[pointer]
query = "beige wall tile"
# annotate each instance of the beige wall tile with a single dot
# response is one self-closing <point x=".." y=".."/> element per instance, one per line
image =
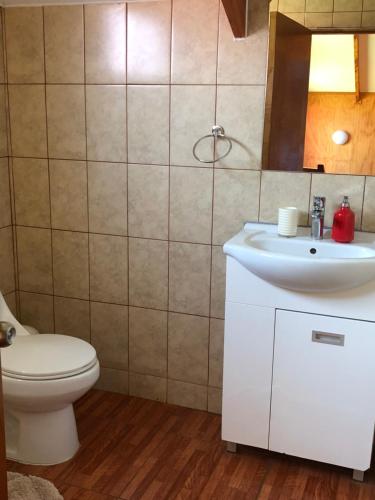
<point x="368" y="19"/>
<point x="191" y="204"/>
<point x="216" y="352"/>
<point x="28" y="120"/>
<point x="148" y="273"/>
<point x="113" y="380"/>
<point x="347" y="19"/>
<point x="368" y="222"/>
<point x="5" y="209"/>
<point x="11" y="301"/>
<point x="194" y="44"/>
<point x="244" y="61"/>
<point x="334" y="187"/>
<point x="70" y="264"/>
<point x="236" y="201"/>
<point x="237" y="106"/>
<point x="72" y="317"/>
<point x="105" y="43"/>
<point x="3" y="116"/>
<point x="37" y="311"/>
<point x="319" y="20"/>
<point x="189" y="278"/>
<point x="34" y="259"/>
<point x="299" y="17"/>
<point x="148" y="341"/>
<point x="107" y="198"/>
<point x="291" y="5"/>
<point x="109" y="334"/>
<point x="31" y="191"/>
<point x="319" y="5"/>
<point x="66" y="121"/>
<point x="69" y="195"/>
<point x="148" y="387"/>
<point x="148" y="203"/>
<point x="148" y="124"/>
<point x="368" y="5"/>
<point x="24" y="41"/>
<point x="188" y="348"/>
<point x="149" y="39"/>
<point x="214" y="400"/>
<point x="274" y="4"/>
<point x="63" y="28"/>
<point x="348" y="5"/>
<point x="192" y="117"/>
<point x="185" y="394"/>
<point x="108" y="268"/>
<point x="283" y="189"/>
<point x="218" y="282"/>
<point x="2" y="51"/>
<point x="7" y="278"/>
<point x="106" y="122"/>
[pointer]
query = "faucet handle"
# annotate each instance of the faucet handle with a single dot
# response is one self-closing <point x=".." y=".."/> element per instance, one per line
<point x="319" y="203"/>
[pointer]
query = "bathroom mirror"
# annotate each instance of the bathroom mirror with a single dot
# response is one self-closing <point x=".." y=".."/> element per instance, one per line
<point x="320" y="100"/>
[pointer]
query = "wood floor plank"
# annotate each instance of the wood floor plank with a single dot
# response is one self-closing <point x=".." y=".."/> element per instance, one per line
<point x="133" y="449"/>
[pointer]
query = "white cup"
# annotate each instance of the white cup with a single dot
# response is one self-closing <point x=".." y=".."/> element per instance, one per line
<point x="288" y="221"/>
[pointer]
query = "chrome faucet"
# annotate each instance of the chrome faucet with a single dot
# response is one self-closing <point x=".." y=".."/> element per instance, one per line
<point x="317" y="217"/>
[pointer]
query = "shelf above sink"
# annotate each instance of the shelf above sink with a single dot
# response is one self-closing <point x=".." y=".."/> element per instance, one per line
<point x="303" y="264"/>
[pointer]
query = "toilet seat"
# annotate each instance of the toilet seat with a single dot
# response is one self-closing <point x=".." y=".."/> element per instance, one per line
<point x="47" y="357"/>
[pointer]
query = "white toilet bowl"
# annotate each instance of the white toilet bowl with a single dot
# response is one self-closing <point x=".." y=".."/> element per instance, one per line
<point x="42" y="377"/>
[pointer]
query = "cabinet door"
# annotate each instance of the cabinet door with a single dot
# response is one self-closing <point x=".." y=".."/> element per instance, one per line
<point x="248" y="349"/>
<point x="323" y="391"/>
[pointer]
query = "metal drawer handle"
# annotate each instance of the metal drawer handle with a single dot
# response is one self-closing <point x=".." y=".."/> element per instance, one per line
<point x="328" y="338"/>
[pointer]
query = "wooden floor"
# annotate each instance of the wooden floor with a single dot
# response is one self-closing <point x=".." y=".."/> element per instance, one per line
<point x="138" y="449"/>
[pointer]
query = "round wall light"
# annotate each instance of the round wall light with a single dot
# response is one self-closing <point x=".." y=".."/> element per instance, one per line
<point x="340" y="137"/>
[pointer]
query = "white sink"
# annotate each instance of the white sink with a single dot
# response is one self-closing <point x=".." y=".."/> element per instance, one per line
<point x="303" y="264"/>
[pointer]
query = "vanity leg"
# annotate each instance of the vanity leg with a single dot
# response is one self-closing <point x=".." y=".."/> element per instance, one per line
<point x="231" y="447"/>
<point x="358" y="475"/>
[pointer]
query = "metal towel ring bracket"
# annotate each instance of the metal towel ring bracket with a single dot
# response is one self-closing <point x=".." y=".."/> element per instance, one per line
<point x="217" y="132"/>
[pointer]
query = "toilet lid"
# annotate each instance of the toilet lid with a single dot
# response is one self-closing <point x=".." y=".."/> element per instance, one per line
<point x="47" y="356"/>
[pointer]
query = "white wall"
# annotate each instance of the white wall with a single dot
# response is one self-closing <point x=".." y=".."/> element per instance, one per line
<point x="367" y="62"/>
<point x="332" y="63"/>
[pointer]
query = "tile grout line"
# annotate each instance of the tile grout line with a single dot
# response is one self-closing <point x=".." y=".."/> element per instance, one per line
<point x="58" y="229"/>
<point x="151" y="164"/>
<point x="135" y="306"/>
<point x="141" y="84"/>
<point x="363" y="202"/>
<point x="169" y="193"/>
<point x="48" y="166"/>
<point x="260" y="194"/>
<point x="83" y="7"/>
<point x="10" y="168"/>
<point x="126" y="138"/>
<point x="212" y="209"/>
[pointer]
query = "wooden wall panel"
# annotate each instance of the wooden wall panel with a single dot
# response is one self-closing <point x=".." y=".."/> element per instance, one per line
<point x="327" y="112"/>
<point x="286" y="94"/>
<point x="236" y="11"/>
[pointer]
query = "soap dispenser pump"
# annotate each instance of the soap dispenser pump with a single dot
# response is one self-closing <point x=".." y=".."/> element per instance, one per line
<point x="343" y="223"/>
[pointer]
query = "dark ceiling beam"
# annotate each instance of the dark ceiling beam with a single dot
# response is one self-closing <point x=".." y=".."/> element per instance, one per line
<point x="236" y="11"/>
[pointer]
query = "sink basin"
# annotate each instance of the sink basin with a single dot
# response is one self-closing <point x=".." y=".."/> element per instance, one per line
<point x="303" y="264"/>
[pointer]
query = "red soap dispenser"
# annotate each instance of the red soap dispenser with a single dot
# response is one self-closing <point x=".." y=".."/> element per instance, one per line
<point x="343" y="223"/>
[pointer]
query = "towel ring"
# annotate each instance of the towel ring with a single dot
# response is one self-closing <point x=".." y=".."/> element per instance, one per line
<point x="217" y="132"/>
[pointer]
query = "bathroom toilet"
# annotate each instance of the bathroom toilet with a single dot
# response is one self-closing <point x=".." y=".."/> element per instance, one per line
<point x="43" y="375"/>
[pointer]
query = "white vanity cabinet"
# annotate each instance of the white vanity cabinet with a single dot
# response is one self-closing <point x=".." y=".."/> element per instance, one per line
<point x="299" y="370"/>
<point x="248" y="374"/>
<point x="323" y="398"/>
